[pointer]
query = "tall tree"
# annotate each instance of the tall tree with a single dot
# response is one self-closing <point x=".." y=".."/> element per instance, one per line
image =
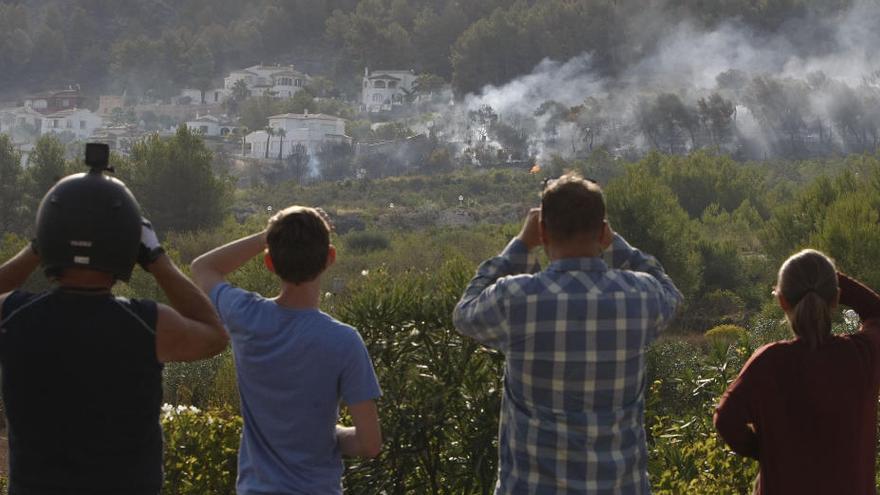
<point x="173" y="180"/>
<point x="11" y="204"/>
<point x="46" y="165"/>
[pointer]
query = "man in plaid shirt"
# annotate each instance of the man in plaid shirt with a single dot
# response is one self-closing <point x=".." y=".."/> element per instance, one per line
<point x="574" y="337"/>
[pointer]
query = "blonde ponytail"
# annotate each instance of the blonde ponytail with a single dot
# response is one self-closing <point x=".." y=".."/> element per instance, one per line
<point x="808" y="282"/>
<point x="811" y="319"/>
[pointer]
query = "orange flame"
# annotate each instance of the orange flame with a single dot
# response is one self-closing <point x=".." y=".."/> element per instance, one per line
<point x="535" y="169"/>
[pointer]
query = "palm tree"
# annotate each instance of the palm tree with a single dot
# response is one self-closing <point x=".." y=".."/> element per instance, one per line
<point x="269" y="133"/>
<point x="281" y="133"/>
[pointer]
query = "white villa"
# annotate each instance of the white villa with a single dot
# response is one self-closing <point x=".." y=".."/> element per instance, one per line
<point x="272" y="80"/>
<point x="78" y="121"/>
<point x="291" y="129"/>
<point x="386" y="89"/>
<point x="20" y="120"/>
<point x="211" y="126"/>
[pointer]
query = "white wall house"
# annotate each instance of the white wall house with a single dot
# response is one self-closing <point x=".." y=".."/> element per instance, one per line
<point x="272" y="80"/>
<point x="78" y="121"/>
<point x="292" y="129"/>
<point x="211" y="126"/>
<point x="385" y="89"/>
<point x="20" y="120"/>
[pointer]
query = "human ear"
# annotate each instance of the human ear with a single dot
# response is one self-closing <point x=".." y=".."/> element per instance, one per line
<point x="267" y="260"/>
<point x="331" y="256"/>
<point x="783" y="303"/>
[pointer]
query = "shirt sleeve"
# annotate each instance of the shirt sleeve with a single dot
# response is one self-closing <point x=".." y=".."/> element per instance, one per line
<point x="358" y="381"/>
<point x="864" y="301"/>
<point x="622" y="256"/>
<point x="235" y="306"/>
<point x="735" y="417"/>
<point x="481" y="313"/>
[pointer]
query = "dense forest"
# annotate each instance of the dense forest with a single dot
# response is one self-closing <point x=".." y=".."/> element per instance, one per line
<point x="153" y="45"/>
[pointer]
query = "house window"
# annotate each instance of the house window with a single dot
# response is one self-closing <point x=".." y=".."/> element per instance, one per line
<point x="65" y="102"/>
<point x="377" y="97"/>
<point x="298" y="83"/>
<point x="392" y="84"/>
<point x="285" y="81"/>
<point x="379" y="84"/>
<point x="68" y="124"/>
<point x="82" y="124"/>
<point x="216" y="96"/>
<point x="203" y="129"/>
<point x="54" y="123"/>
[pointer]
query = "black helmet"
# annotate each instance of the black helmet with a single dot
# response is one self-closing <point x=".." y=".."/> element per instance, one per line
<point x="89" y="220"/>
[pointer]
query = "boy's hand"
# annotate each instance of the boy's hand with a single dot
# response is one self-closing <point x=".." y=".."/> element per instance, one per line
<point x="150" y="249"/>
<point x="531" y="232"/>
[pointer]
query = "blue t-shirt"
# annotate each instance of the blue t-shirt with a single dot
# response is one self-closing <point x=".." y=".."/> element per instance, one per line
<point x="293" y="367"/>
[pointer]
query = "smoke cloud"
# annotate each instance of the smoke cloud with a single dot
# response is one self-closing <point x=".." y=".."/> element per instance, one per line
<point x="810" y="88"/>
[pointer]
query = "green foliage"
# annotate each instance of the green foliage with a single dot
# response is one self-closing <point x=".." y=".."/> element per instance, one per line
<point x="726" y="333"/>
<point x="173" y="180"/>
<point x="201" y="450"/>
<point x="208" y="383"/>
<point x="46" y="165"/>
<point x="365" y="242"/>
<point x="441" y="392"/>
<point x="685" y="453"/>
<point x="11" y="204"/>
<point x="850" y="233"/>
<point x="647" y="213"/>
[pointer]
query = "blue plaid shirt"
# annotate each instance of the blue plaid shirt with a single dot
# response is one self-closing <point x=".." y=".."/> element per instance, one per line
<point x="575" y="336"/>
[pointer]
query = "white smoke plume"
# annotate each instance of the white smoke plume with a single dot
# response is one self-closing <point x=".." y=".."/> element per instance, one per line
<point x="819" y="56"/>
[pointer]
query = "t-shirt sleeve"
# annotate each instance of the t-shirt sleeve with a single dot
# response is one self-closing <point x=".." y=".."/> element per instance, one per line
<point x="358" y="381"/>
<point x="235" y="306"/>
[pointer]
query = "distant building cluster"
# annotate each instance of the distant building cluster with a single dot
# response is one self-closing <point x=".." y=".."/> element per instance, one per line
<point x="120" y="120"/>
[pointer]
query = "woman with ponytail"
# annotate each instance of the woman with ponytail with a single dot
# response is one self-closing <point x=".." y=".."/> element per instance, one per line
<point x="806" y="408"/>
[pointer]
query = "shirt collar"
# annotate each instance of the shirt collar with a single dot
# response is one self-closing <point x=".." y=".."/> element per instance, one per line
<point x="592" y="264"/>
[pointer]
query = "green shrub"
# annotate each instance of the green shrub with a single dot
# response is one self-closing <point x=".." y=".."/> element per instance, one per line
<point x="209" y="383"/>
<point x="689" y="457"/>
<point x="727" y="334"/>
<point x="441" y="392"/>
<point x="366" y="242"/>
<point x="201" y="450"/>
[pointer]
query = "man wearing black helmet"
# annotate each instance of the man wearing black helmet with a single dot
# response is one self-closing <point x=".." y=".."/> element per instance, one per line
<point x="81" y="368"/>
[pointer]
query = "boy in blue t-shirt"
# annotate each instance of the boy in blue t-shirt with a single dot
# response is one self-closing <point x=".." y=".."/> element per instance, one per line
<point x="294" y="362"/>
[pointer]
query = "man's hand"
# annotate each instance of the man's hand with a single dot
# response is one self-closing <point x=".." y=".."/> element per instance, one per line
<point x="531" y="231"/>
<point x="150" y="249"/>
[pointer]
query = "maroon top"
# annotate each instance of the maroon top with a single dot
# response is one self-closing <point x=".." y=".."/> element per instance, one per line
<point x="810" y="416"/>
